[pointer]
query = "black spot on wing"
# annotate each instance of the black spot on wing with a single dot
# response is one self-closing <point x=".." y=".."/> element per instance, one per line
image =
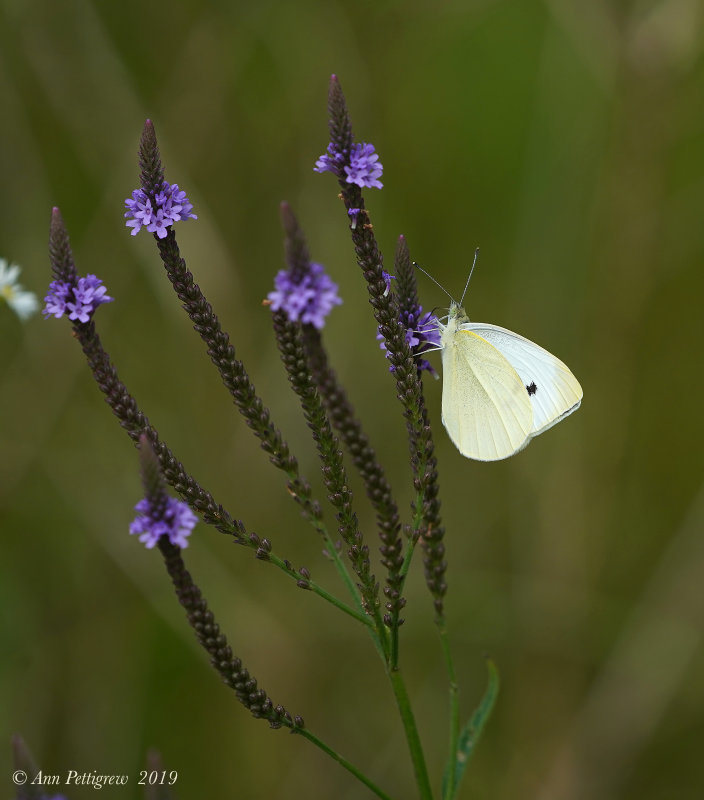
<point x="532" y="388"/>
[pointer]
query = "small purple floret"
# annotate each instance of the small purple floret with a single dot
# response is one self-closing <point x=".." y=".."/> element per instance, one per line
<point x="177" y="522"/>
<point x="79" y="301"/>
<point x="330" y="162"/>
<point x="56" y="299"/>
<point x="170" y="205"/>
<point x="387" y="280"/>
<point x="308" y="299"/>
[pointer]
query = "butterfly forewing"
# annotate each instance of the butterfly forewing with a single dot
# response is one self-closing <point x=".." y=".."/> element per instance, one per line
<point x="553" y="390"/>
<point x="485" y="406"/>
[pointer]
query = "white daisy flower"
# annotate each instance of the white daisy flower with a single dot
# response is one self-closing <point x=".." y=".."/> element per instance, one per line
<point x="23" y="303"/>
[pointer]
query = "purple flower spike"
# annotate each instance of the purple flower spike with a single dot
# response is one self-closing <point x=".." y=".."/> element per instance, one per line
<point x="79" y="301"/>
<point x="170" y="205"/>
<point x="176" y="521"/>
<point x="364" y="168"/>
<point x="309" y="300"/>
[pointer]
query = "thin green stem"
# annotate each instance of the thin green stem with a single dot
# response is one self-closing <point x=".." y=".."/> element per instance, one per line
<point x="374" y="624"/>
<point x="357" y="614"/>
<point x="407" y="558"/>
<point x="341" y="568"/>
<point x="454" y="710"/>
<point x="403" y="573"/>
<point x="382" y="636"/>
<point x="412" y="737"/>
<point x="342" y="761"/>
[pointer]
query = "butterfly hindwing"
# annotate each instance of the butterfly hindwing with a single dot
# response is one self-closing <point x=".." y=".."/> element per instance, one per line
<point x="553" y="390"/>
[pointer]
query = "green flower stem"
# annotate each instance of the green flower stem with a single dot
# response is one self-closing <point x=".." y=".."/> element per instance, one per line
<point x="454" y="710"/>
<point x="342" y="761"/>
<point x="412" y="737"/>
<point x="409" y="555"/>
<point x="339" y="564"/>
<point x="357" y="614"/>
<point x="402" y="575"/>
<point x="343" y="572"/>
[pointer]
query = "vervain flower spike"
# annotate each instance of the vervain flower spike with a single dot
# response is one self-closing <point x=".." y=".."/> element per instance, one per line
<point x="162" y="527"/>
<point x="405" y="369"/>
<point x="348" y="427"/>
<point x="299" y="277"/>
<point x="423" y="459"/>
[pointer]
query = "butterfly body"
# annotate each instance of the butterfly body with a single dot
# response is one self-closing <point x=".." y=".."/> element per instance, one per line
<point x="499" y="389"/>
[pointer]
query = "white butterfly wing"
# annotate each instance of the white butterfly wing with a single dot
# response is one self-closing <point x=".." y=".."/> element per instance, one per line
<point x="553" y="390"/>
<point x="485" y="406"/>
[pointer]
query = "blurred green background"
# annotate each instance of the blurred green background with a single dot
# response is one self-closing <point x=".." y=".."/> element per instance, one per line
<point x="567" y="141"/>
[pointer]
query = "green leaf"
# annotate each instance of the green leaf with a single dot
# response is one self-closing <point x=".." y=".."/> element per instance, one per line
<point x="471" y="732"/>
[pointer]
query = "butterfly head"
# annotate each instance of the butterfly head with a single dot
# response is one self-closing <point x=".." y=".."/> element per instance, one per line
<point x="457" y="314"/>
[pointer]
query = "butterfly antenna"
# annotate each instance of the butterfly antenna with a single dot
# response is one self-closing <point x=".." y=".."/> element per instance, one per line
<point x="437" y="283"/>
<point x="466" y="286"/>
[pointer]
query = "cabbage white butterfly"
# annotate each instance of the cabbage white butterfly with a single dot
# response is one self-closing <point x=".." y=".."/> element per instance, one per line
<point x="499" y="389"/>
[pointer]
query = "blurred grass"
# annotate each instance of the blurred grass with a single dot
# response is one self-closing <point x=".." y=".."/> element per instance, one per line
<point x="567" y="141"/>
